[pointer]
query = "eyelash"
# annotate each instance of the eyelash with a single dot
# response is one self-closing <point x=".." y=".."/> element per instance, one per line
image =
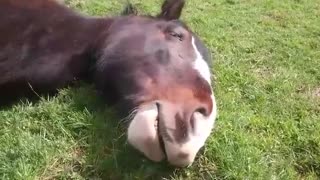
<point x="177" y="35"/>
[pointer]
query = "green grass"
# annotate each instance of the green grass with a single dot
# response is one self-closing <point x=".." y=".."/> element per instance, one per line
<point x="267" y="71"/>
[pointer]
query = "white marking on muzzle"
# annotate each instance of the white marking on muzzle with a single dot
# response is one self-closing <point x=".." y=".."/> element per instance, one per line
<point x="197" y="139"/>
<point x="200" y="64"/>
<point x="203" y="124"/>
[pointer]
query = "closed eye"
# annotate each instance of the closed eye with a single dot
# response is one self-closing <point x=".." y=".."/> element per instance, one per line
<point x="177" y="35"/>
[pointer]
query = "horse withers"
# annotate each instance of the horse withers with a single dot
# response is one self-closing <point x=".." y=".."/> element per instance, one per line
<point x="154" y="66"/>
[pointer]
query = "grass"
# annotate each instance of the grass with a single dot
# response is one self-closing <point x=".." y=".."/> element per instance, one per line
<point x="267" y="71"/>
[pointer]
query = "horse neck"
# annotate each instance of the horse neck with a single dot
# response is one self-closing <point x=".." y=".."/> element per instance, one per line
<point x="97" y="32"/>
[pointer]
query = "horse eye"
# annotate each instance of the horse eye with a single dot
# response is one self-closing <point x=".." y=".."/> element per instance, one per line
<point x="177" y="35"/>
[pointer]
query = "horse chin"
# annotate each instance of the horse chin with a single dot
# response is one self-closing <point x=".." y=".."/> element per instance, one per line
<point x="143" y="132"/>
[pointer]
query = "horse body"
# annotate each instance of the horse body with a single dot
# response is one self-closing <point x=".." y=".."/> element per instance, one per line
<point x="155" y="65"/>
<point x="43" y="45"/>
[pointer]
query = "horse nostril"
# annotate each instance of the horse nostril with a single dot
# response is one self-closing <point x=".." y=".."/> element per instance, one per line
<point x="158" y="105"/>
<point x="202" y="111"/>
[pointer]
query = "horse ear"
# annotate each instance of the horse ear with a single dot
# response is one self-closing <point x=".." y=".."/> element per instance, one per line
<point x="171" y="9"/>
<point x="129" y="10"/>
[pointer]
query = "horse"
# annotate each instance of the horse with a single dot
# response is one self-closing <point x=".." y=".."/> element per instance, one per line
<point x="154" y="66"/>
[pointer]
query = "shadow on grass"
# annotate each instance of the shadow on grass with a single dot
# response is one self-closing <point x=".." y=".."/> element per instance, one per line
<point x="88" y="141"/>
<point x="105" y="152"/>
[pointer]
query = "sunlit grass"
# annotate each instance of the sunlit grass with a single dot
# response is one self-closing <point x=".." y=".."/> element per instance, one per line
<point x="267" y="70"/>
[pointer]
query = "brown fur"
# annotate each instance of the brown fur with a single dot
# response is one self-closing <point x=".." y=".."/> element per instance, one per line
<point x="45" y="46"/>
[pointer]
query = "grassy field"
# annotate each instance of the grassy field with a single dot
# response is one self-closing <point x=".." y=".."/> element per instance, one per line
<point x="267" y="71"/>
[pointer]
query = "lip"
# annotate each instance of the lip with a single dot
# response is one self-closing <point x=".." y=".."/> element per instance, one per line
<point x="160" y="138"/>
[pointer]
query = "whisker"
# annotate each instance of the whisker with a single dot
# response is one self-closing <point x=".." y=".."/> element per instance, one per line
<point x="130" y="116"/>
